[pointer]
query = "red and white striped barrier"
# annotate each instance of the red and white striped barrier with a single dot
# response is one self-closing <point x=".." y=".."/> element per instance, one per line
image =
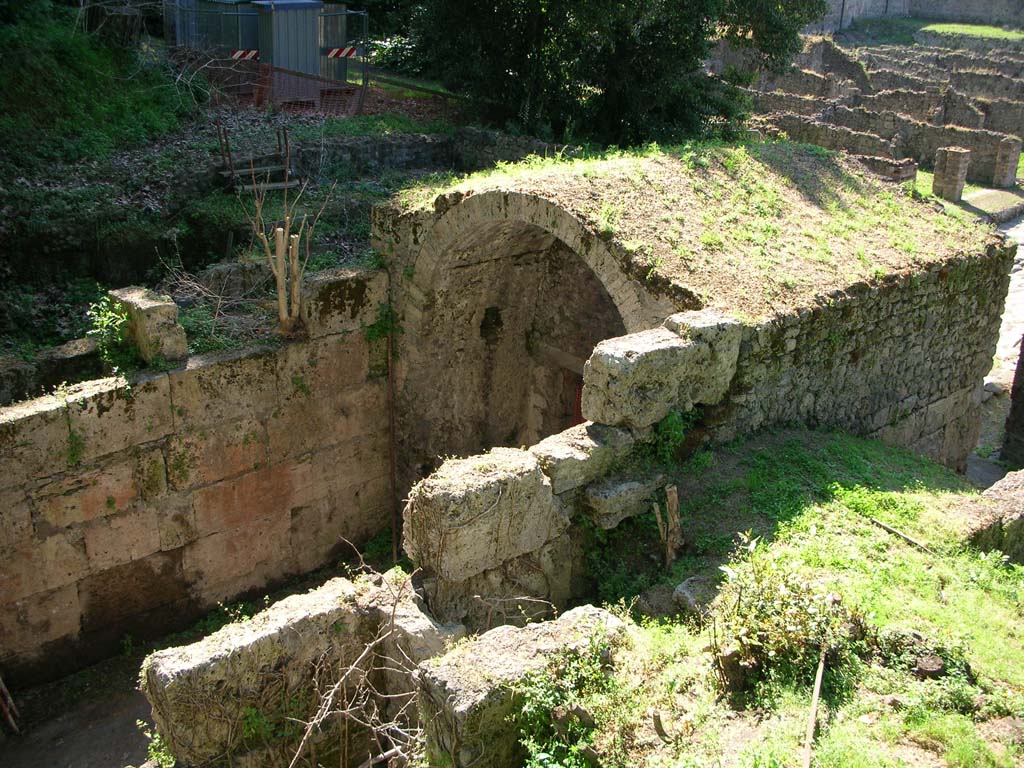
<point x="245" y="55"/>
<point x="347" y="52"/>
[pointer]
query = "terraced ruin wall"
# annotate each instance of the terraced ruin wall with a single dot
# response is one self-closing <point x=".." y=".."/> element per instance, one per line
<point x="811" y="131"/>
<point x="131" y="510"/>
<point x="1004" y="116"/>
<point x="993" y="155"/>
<point x="842" y="13"/>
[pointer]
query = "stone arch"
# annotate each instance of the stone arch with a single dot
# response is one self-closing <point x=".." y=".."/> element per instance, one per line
<point x="505" y="296"/>
<point x="477" y="216"/>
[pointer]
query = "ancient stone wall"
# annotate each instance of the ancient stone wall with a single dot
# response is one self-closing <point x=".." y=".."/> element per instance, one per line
<point x="1004" y="116"/>
<point x="989" y="155"/>
<point x="823" y="55"/>
<point x="502" y="297"/>
<point x="988" y="85"/>
<point x="842" y="13"/>
<point x="830" y="136"/>
<point x="947" y="108"/>
<point x="983" y="11"/>
<point x="766" y="102"/>
<point x="129" y="510"/>
<point x="902" y="361"/>
<point x="891" y="80"/>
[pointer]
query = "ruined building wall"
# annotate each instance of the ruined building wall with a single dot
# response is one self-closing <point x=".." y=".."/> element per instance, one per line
<point x="842" y="13"/>
<point x="830" y="136"/>
<point x="989" y="151"/>
<point x="130" y="510"/>
<point x="902" y="362"/>
<point x="1004" y="116"/>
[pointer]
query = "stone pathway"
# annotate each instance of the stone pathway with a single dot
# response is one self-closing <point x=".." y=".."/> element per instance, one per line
<point x="1000" y="204"/>
<point x="982" y="468"/>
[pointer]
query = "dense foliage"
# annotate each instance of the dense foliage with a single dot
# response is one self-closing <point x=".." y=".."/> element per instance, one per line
<point x="67" y="95"/>
<point x="616" y="72"/>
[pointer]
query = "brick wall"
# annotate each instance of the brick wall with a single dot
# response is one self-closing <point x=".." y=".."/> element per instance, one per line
<point x="130" y="510"/>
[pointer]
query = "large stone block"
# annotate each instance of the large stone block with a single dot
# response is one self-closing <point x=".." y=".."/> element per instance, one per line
<point x="223" y="387"/>
<point x="153" y="324"/>
<point x="38" y="565"/>
<point x="267" y="491"/>
<point x="613" y="500"/>
<point x="128" y="597"/>
<point x="527" y="588"/>
<point x="272" y="664"/>
<point x="999" y="517"/>
<point x="467" y="695"/>
<point x="15" y="519"/>
<point x="636" y="380"/>
<point x="27" y="624"/>
<point x="35" y="441"/>
<point x="342" y="300"/>
<point x="226" y="563"/>
<point x="329" y="418"/>
<point x="581" y="454"/>
<point x="474" y="514"/>
<point x="109" y="415"/>
<point x="204" y="456"/>
<point x="104" y="490"/>
<point x="121" y="538"/>
<point x="200" y="693"/>
<point x="722" y="334"/>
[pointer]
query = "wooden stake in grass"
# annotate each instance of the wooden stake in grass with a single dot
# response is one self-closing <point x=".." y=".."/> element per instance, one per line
<point x="813" y="719"/>
<point x="668" y="528"/>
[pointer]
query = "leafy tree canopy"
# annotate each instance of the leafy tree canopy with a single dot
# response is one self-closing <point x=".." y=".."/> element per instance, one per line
<point x="617" y="72"/>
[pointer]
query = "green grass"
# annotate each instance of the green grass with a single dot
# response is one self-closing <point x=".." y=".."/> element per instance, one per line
<point x="976" y="30"/>
<point x="925" y="179"/>
<point x="68" y="95"/>
<point x="369" y="125"/>
<point x="808" y="498"/>
<point x="900" y="31"/>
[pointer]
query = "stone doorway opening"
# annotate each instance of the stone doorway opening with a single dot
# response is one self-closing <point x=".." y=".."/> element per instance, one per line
<point x="497" y="356"/>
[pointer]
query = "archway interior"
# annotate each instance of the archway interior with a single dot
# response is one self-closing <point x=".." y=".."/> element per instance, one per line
<point x="498" y="358"/>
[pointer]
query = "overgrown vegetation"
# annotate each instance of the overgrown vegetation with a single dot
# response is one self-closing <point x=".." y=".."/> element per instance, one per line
<point x="814" y="575"/>
<point x="754" y="227"/>
<point x="69" y="95"/>
<point x="109" y="327"/>
<point x="613" y="72"/>
<point x="33" y="316"/>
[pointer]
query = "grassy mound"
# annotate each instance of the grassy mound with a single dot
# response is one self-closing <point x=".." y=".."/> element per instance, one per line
<point x="754" y="228"/>
<point x="813" y="574"/>
<point x="68" y="95"/>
